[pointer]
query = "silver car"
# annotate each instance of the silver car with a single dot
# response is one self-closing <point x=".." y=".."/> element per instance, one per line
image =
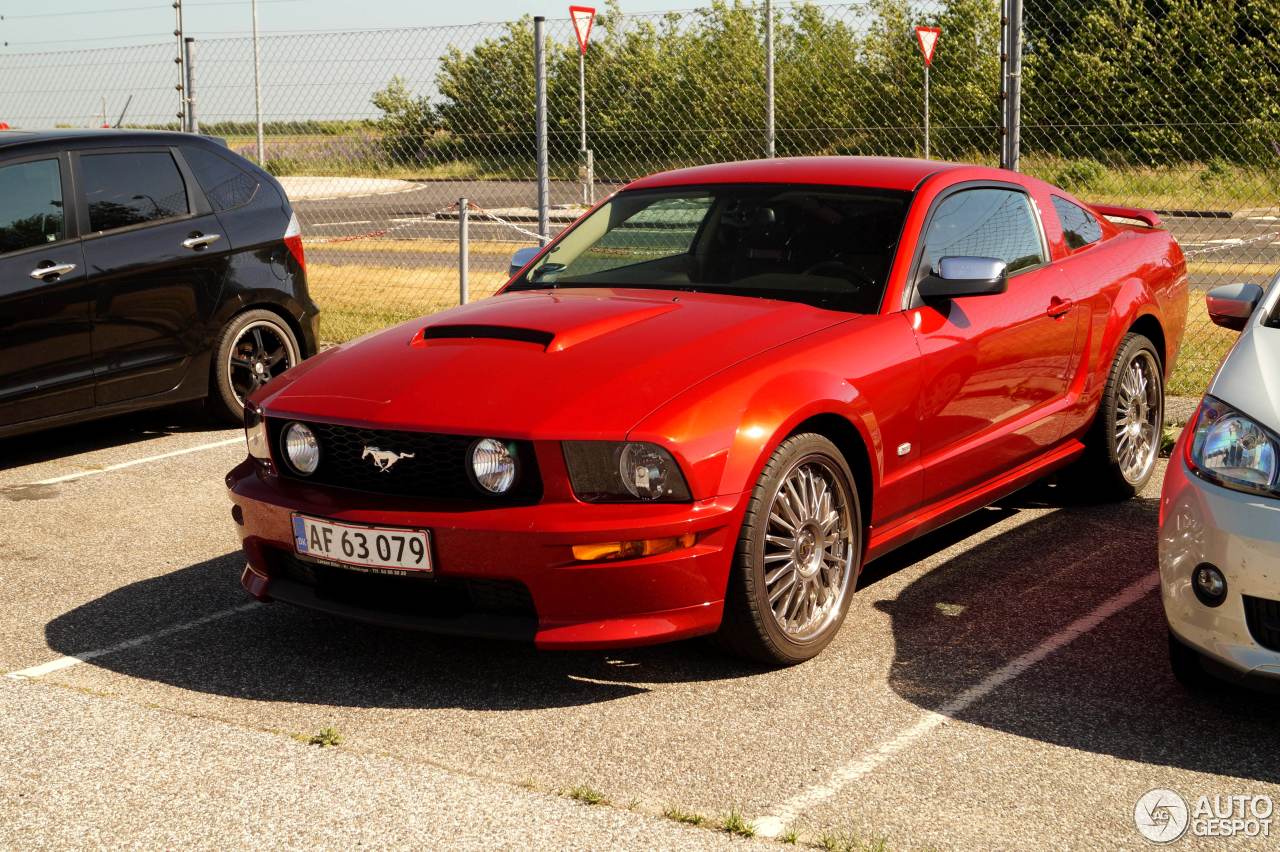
<point x="1220" y="507"/>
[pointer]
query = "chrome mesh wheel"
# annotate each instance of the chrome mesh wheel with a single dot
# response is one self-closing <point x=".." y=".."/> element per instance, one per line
<point x="1139" y="413"/>
<point x="809" y="549"/>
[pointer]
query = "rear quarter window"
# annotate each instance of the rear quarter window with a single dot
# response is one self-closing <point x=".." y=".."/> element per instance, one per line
<point x="225" y="184"/>
<point x="1079" y="227"/>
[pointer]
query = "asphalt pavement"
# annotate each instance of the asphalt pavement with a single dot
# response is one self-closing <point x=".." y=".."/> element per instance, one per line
<point x="1000" y="684"/>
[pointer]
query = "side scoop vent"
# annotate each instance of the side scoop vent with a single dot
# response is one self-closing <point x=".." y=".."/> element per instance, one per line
<point x="488" y="332"/>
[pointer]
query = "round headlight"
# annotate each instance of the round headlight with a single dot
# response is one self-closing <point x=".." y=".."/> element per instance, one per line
<point x="301" y="448"/>
<point x="493" y="465"/>
<point x="645" y="470"/>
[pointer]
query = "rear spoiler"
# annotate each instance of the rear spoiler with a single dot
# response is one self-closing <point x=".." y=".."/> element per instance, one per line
<point x="1137" y="214"/>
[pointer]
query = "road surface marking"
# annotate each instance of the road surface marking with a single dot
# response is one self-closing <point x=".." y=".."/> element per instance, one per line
<point x="774" y="824"/>
<point x="85" y="656"/>
<point x="336" y="224"/>
<point x="134" y="463"/>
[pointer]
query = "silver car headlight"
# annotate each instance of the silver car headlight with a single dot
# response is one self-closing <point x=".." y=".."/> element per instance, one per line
<point x="631" y="471"/>
<point x="301" y="449"/>
<point x="1230" y="449"/>
<point x="494" y="466"/>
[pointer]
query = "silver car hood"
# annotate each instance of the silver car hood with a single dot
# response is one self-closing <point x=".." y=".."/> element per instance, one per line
<point x="1249" y="379"/>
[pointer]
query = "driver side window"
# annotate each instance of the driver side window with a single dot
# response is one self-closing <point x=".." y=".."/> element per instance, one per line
<point x="985" y="222"/>
<point x="30" y="205"/>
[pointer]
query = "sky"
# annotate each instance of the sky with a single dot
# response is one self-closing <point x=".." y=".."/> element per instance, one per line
<point x="27" y="27"/>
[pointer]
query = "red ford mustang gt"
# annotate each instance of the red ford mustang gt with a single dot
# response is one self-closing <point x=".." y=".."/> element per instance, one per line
<point x="709" y="403"/>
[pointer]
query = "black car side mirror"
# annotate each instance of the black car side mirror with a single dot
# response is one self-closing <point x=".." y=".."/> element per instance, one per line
<point x="1231" y="305"/>
<point x="965" y="276"/>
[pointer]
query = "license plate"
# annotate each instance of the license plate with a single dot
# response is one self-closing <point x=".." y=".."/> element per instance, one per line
<point x="379" y="550"/>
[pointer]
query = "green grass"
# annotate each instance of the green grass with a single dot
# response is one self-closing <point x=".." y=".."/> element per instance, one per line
<point x="848" y="840"/>
<point x="324" y="738"/>
<point x="684" y="816"/>
<point x="735" y="823"/>
<point x="586" y="795"/>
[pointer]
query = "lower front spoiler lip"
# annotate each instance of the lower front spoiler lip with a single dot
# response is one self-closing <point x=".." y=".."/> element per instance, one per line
<point x="479" y="625"/>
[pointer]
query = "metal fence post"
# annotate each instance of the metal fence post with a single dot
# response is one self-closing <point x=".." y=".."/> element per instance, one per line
<point x="463" y="252"/>
<point x="257" y="83"/>
<point x="540" y="118"/>
<point x="1012" y="85"/>
<point x="189" y="57"/>
<point x="182" y="66"/>
<point x="768" y="79"/>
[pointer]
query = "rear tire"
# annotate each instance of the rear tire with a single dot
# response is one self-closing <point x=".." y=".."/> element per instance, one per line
<point x="797" y="556"/>
<point x="1124" y="441"/>
<point x="255" y="347"/>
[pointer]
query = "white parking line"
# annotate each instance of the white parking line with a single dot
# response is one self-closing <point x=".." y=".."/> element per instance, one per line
<point x="773" y="825"/>
<point x="213" y="445"/>
<point x="85" y="656"/>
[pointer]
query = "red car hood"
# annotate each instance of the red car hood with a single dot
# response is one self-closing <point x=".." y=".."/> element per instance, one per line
<point x="566" y="364"/>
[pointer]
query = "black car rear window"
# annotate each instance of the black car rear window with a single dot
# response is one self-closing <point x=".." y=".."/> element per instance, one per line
<point x="225" y="184"/>
<point x="132" y="188"/>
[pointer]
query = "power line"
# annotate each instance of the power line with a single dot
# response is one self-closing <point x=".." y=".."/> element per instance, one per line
<point x="132" y="9"/>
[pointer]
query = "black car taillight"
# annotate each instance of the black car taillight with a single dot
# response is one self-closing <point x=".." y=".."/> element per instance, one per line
<point x="293" y="240"/>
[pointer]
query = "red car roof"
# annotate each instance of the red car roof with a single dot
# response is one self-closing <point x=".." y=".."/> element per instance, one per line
<point x="881" y="172"/>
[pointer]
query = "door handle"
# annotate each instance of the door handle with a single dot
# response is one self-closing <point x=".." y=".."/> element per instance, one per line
<point x="53" y="270"/>
<point x="195" y="242"/>
<point x="1058" y="308"/>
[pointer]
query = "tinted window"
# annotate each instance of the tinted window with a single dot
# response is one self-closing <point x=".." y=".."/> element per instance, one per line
<point x="1079" y="228"/>
<point x="225" y="184"/>
<point x="822" y="245"/>
<point x="995" y="223"/>
<point x="130" y="189"/>
<point x="30" y="205"/>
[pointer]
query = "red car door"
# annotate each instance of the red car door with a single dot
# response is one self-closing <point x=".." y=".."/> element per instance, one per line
<point x="996" y="368"/>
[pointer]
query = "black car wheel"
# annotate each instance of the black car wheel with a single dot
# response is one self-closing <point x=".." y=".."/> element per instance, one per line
<point x="255" y="347"/>
<point x="797" y="556"/>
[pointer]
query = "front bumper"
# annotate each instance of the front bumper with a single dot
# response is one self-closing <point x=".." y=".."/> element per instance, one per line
<point x="1240" y="535"/>
<point x="573" y="604"/>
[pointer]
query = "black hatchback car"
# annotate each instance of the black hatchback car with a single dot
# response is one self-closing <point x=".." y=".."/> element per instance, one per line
<point x="140" y="269"/>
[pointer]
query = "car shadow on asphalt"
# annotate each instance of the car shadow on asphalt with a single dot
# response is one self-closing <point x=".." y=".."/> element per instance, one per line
<point x="107" y="433"/>
<point x="277" y="652"/>
<point x="1110" y="691"/>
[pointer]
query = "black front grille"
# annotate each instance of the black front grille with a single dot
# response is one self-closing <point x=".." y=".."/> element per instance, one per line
<point x="429" y="597"/>
<point x="1263" y="617"/>
<point x="433" y="466"/>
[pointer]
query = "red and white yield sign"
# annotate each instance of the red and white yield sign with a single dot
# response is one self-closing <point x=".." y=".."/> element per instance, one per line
<point x="582" y="16"/>
<point x="928" y="37"/>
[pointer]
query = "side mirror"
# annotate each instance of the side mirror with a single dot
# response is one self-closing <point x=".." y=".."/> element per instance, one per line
<point x="965" y="276"/>
<point x="1231" y="305"/>
<point x="521" y="259"/>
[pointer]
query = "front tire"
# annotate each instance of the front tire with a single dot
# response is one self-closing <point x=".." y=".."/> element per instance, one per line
<point x="254" y="348"/>
<point x="797" y="556"/>
<point x="1125" y="439"/>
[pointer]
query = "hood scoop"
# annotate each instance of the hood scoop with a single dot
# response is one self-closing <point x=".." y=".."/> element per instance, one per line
<point x="485" y="332"/>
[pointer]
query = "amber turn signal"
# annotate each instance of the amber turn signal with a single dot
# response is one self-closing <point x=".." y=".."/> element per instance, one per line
<point x="631" y="549"/>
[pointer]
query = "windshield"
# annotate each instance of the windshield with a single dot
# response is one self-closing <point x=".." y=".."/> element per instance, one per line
<point x="822" y="245"/>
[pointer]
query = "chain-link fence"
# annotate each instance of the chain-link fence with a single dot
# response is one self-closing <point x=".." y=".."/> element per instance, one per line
<point x="377" y="134"/>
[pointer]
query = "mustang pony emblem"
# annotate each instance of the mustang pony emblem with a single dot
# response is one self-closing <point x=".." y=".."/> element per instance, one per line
<point x="384" y="459"/>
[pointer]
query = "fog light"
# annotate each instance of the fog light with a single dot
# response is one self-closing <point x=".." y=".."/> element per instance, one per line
<point x="1209" y="584"/>
<point x="301" y="448"/>
<point x="631" y="549"/>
